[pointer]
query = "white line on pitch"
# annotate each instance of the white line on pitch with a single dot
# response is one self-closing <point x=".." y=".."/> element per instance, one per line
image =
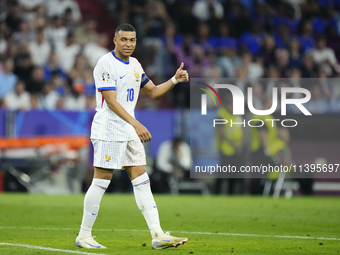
<point x="256" y="235"/>
<point x="49" y="249"/>
<point x="183" y="232"/>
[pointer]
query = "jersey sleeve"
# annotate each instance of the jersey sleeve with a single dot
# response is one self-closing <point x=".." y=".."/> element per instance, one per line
<point x="145" y="79"/>
<point x="104" y="76"/>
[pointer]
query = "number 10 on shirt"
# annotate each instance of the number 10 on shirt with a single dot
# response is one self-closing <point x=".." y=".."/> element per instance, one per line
<point x="130" y="95"/>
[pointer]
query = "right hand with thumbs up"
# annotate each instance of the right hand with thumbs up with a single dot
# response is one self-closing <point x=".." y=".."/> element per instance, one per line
<point x="181" y="75"/>
<point x="156" y="92"/>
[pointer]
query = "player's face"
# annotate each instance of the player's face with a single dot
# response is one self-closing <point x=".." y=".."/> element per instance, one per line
<point x="125" y="42"/>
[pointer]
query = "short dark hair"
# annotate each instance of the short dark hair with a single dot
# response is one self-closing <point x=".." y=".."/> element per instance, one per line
<point x="125" y="27"/>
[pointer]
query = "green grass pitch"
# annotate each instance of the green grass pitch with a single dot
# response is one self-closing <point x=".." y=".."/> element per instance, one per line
<point x="213" y="224"/>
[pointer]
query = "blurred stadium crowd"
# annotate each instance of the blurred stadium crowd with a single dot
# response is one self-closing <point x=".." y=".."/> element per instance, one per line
<point x="48" y="49"/>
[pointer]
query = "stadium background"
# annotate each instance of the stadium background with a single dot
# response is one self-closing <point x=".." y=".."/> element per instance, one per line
<point x="44" y="140"/>
<point x="52" y="46"/>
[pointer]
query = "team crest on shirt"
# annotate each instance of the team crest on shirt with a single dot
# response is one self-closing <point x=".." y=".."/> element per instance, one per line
<point x="137" y="76"/>
<point x="108" y="158"/>
<point x="106" y="76"/>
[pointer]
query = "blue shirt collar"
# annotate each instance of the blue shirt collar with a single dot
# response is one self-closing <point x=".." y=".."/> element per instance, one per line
<point x="124" y="62"/>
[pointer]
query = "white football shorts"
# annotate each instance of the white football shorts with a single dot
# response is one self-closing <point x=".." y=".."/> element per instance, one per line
<point x="116" y="155"/>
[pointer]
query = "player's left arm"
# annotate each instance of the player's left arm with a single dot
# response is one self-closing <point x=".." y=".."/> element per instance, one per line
<point x="156" y="92"/>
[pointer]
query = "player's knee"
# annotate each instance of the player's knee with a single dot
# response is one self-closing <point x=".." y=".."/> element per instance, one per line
<point x="102" y="173"/>
<point x="135" y="171"/>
